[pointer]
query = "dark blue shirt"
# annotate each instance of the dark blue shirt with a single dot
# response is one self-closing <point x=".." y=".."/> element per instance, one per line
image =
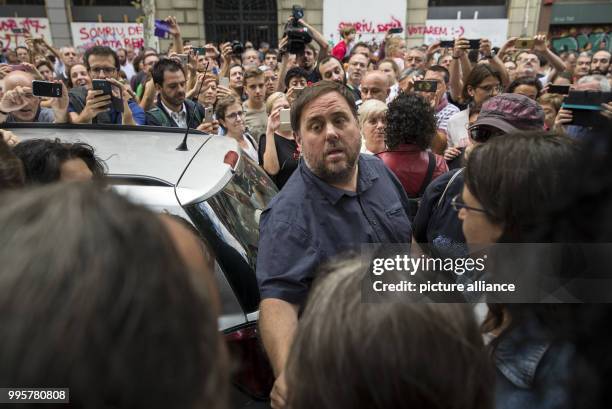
<point x="310" y="221"/>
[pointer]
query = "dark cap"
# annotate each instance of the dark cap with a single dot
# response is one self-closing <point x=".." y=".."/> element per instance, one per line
<point x="511" y="113"/>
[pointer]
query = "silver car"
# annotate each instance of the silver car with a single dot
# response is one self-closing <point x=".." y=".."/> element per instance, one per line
<point x="212" y="186"/>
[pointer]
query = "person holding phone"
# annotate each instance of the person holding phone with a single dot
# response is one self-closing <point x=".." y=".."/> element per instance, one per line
<point x="94" y="106"/>
<point x="18" y="104"/>
<point x="231" y="116"/>
<point x="278" y="151"/>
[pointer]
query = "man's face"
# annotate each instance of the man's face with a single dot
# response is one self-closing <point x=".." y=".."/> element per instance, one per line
<point x="527" y="65"/>
<point x="236" y="77"/>
<point x="28" y="112"/>
<point x="255" y="88"/>
<point x="375" y="86"/>
<point x="69" y="56"/>
<point x="415" y="59"/>
<point x="130" y="54"/>
<point x="333" y="71"/>
<point x="309" y="59"/>
<point x="102" y="67"/>
<point x="22" y="55"/>
<point x="358" y="65"/>
<point x="271" y="81"/>
<point x="387" y="69"/>
<point x="297" y="82"/>
<point x="440" y="90"/>
<point x="600" y="62"/>
<point x="251" y="58"/>
<point x="173" y="88"/>
<point x="365" y="51"/>
<point x="329" y="138"/>
<point x="271" y="61"/>
<point x="122" y="57"/>
<point x="148" y="62"/>
<point x="583" y="65"/>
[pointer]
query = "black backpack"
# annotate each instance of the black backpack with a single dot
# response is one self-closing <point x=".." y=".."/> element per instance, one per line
<point x="416" y="201"/>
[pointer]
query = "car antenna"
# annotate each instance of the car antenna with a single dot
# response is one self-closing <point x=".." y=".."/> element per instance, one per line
<point x="183" y="145"/>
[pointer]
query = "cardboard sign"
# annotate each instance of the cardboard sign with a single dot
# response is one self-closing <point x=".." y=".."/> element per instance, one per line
<point x="35" y="27"/>
<point x="114" y="35"/>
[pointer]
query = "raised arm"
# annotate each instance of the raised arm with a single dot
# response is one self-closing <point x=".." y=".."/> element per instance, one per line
<point x="318" y="38"/>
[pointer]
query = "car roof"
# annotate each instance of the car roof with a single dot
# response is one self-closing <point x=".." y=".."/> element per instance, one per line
<point x="127" y="150"/>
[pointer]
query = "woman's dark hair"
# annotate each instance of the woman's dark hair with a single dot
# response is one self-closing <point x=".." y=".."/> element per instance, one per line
<point x="478" y="74"/>
<point x="530" y="81"/>
<point x="513" y="175"/>
<point x="396" y="354"/>
<point x="42" y="159"/>
<point x="295" y="72"/>
<point x="223" y="104"/>
<point x="46" y="64"/>
<point x="410" y="120"/>
<point x="105" y="321"/>
<point x="11" y="168"/>
<point x="136" y="62"/>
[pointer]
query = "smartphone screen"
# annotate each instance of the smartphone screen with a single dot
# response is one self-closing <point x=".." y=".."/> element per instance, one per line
<point x="102" y="85"/>
<point x="199" y="50"/>
<point x="208" y="114"/>
<point x="46" y="89"/>
<point x="426" y="86"/>
<point x="224" y="82"/>
<point x="474" y="44"/>
<point x="285" y="120"/>
<point x="447" y="43"/>
<point x="559" y="89"/>
<point x="396" y="30"/>
<point x="524" y="43"/>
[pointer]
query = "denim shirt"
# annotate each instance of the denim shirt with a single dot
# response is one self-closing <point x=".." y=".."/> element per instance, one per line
<point x="532" y="372"/>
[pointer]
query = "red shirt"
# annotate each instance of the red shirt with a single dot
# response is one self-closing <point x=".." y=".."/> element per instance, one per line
<point x="409" y="163"/>
<point x="339" y="50"/>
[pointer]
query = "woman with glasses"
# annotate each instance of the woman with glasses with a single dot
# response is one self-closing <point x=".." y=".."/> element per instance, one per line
<point x="483" y="82"/>
<point x="436" y="225"/>
<point x="231" y="117"/>
<point x="510" y="186"/>
<point x="278" y="151"/>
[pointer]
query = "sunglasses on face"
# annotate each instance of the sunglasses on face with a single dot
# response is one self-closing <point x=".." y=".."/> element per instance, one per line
<point x="484" y="133"/>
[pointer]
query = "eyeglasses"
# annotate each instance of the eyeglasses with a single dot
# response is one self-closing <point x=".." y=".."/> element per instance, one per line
<point x="492" y="89"/>
<point x="457" y="204"/>
<point x="483" y="134"/>
<point x="103" y="70"/>
<point x="235" y="115"/>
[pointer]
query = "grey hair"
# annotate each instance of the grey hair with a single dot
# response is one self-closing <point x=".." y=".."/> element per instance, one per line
<point x="604" y="85"/>
<point x="370" y="108"/>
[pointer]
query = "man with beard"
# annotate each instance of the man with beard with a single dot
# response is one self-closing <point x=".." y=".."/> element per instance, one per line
<point x="600" y="62"/>
<point x="336" y="200"/>
<point x="330" y="69"/>
<point x="528" y="62"/>
<point x="171" y="108"/>
<point x="126" y="66"/>
<point x="358" y="65"/>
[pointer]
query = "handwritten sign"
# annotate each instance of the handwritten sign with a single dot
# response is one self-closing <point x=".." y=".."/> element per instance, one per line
<point x="114" y="35"/>
<point x="35" y="27"/>
<point x="371" y="19"/>
<point x="495" y="30"/>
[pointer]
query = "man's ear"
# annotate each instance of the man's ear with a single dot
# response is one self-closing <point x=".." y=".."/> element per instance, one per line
<point x="158" y="87"/>
<point x="298" y="139"/>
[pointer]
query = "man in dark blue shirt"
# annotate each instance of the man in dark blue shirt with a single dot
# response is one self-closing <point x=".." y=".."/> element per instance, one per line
<point x="335" y="201"/>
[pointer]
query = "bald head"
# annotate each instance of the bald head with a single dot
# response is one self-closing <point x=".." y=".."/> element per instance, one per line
<point x="375" y="85"/>
<point x="17" y="79"/>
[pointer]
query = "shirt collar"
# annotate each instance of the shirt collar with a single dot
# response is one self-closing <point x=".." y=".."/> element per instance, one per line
<point x="169" y="111"/>
<point x="365" y="179"/>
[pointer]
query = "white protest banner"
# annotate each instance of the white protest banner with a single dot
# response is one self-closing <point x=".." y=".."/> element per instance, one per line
<point x="114" y="35"/>
<point x="495" y="30"/>
<point x="14" y="30"/>
<point x="371" y="19"/>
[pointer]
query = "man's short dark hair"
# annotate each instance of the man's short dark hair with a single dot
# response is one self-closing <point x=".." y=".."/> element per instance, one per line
<point x="271" y="52"/>
<point x="43" y="158"/>
<point x="163" y="65"/>
<point x="295" y="72"/>
<point x="252" y="72"/>
<point x="316" y="91"/>
<point x="439" y="68"/>
<point x="327" y="59"/>
<point x="21" y="46"/>
<point x="102" y="51"/>
<point x="359" y="44"/>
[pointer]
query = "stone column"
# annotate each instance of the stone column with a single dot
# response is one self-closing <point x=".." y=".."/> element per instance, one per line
<point x="57" y="12"/>
<point x="190" y="16"/>
<point x="416" y="15"/>
<point x="516" y="17"/>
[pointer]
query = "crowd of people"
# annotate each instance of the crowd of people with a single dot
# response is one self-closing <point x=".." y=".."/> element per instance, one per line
<point x="441" y="147"/>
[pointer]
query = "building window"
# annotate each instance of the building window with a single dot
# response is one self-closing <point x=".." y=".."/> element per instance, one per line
<point x="22" y="2"/>
<point x="461" y="3"/>
<point x="245" y="20"/>
<point x="99" y="3"/>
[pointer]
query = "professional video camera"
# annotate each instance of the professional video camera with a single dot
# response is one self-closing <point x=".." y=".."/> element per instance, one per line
<point x="297" y="35"/>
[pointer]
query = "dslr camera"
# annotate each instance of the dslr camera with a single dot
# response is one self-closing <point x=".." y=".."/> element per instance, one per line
<point x="297" y="35"/>
<point x="237" y="48"/>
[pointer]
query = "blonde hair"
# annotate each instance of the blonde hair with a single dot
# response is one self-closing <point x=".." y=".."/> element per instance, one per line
<point x="370" y="108"/>
<point x="393" y="45"/>
<point x="272" y="100"/>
